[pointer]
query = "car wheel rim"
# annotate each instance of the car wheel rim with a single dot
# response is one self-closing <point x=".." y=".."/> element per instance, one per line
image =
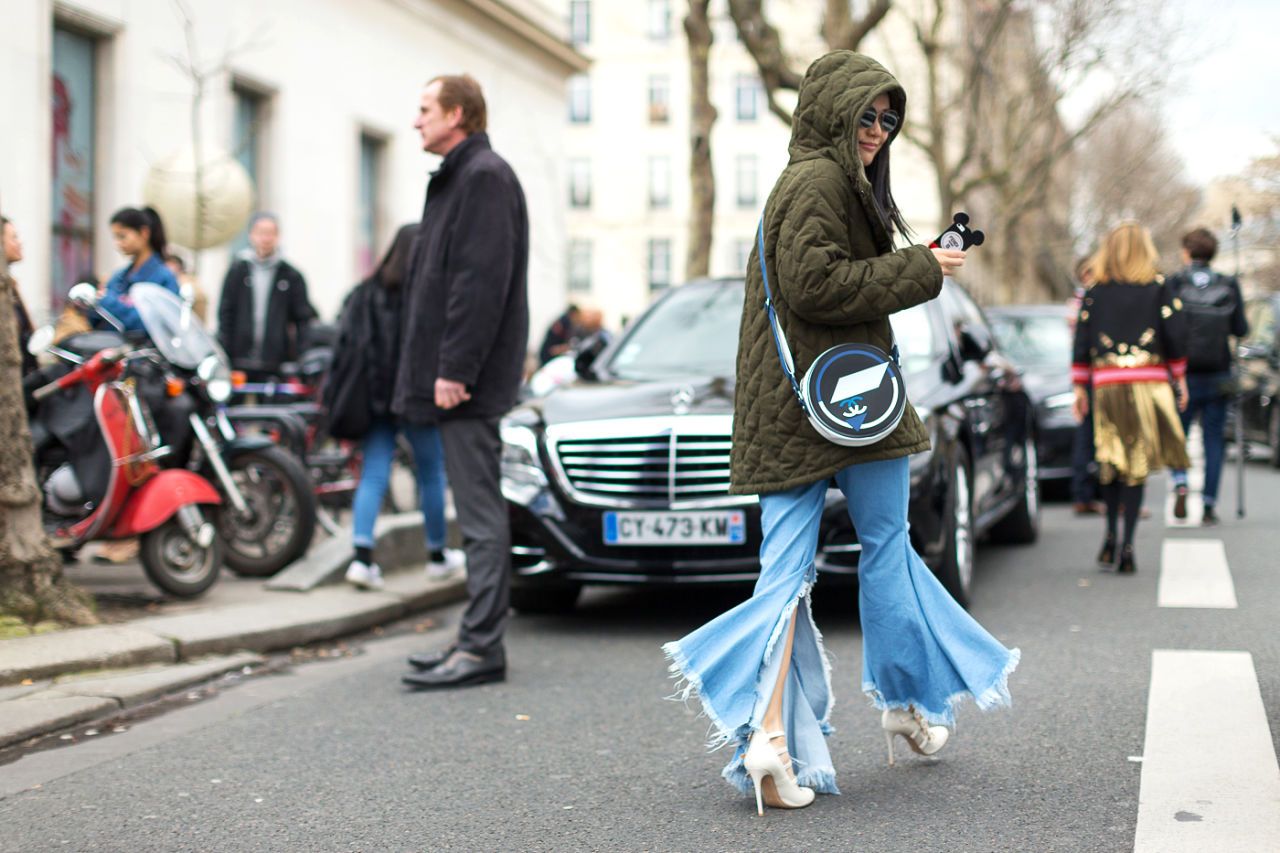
<point x="964" y="533"/>
<point x="1031" y="479"/>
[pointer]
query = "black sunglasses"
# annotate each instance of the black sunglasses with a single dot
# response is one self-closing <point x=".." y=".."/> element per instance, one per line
<point x="888" y="119"/>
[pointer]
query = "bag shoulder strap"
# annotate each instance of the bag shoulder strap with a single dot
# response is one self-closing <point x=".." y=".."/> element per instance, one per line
<point x="779" y="339"/>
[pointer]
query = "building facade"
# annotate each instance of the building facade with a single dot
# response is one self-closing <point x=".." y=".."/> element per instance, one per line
<point x="316" y="98"/>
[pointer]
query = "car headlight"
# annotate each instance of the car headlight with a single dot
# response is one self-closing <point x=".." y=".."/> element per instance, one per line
<point x="216" y="376"/>
<point x="522" y="476"/>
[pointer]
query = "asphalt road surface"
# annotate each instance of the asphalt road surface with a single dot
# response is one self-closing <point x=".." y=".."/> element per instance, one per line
<point x="579" y="751"/>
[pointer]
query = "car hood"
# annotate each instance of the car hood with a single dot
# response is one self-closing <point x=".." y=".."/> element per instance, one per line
<point x="589" y="401"/>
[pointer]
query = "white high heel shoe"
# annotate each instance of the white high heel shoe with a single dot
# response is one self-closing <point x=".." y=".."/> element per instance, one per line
<point x="770" y="771"/>
<point x="921" y="737"/>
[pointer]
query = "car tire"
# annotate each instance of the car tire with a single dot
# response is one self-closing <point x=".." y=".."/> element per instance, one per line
<point x="1273" y="435"/>
<point x="1022" y="525"/>
<point x="545" y="598"/>
<point x="956" y="568"/>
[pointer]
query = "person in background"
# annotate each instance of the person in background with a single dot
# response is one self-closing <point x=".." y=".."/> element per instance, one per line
<point x="1084" y="475"/>
<point x="139" y="235"/>
<point x="560" y="335"/>
<point x="370" y="334"/>
<point x="12" y="255"/>
<point x="1215" y="312"/>
<point x="1130" y="343"/>
<point x="264" y="309"/>
<point x="189" y="287"/>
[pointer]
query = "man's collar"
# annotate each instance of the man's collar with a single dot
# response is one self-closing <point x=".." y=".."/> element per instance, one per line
<point x="461" y="152"/>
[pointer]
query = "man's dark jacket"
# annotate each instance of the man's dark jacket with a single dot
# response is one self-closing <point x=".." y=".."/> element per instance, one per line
<point x="1215" y="310"/>
<point x="466" y="308"/>
<point x="288" y="312"/>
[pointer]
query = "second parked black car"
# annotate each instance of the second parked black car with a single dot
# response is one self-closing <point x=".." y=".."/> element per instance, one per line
<point x="622" y="476"/>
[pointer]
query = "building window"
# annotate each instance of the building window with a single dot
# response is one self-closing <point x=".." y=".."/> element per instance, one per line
<point x="745" y="179"/>
<point x="660" y="20"/>
<point x="747" y="97"/>
<point x="580" y="99"/>
<point x="248" y="132"/>
<point x="659" y="99"/>
<point x="659" y="182"/>
<point x="73" y="182"/>
<point x="742" y="254"/>
<point x="580" y="182"/>
<point x="580" y="21"/>
<point x="370" y="202"/>
<point x="659" y="264"/>
<point x="579" y="265"/>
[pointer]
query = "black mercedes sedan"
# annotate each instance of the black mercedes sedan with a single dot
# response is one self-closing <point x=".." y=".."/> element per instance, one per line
<point x="621" y="475"/>
<point x="1037" y="338"/>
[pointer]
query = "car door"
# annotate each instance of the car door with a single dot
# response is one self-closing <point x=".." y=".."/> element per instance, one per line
<point x="1257" y="368"/>
<point x="984" y="406"/>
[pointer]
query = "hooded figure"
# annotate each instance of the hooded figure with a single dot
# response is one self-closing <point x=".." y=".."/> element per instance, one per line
<point x="835" y="280"/>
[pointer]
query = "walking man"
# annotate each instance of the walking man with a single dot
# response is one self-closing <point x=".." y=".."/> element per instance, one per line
<point x="264" y="308"/>
<point x="1215" y="311"/>
<point x="465" y="338"/>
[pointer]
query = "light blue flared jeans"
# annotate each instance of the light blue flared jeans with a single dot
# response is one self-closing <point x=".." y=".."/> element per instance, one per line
<point x="919" y="647"/>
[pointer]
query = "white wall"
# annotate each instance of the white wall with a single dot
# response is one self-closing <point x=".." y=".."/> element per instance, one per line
<point x="335" y="68"/>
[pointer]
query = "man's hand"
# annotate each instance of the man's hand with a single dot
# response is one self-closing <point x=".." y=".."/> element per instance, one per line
<point x="450" y="394"/>
<point x="950" y="259"/>
<point x="1080" y="406"/>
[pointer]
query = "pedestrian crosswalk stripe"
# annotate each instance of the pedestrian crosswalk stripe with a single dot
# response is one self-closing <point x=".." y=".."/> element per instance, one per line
<point x="1209" y="775"/>
<point x="1194" y="573"/>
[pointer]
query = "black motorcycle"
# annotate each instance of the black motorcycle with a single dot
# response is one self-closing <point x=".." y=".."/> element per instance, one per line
<point x="268" y="514"/>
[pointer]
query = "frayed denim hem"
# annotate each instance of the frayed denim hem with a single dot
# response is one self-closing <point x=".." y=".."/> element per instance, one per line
<point x="995" y="695"/>
<point x="688" y="683"/>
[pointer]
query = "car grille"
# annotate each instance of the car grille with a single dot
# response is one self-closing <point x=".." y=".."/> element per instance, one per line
<point x="645" y="461"/>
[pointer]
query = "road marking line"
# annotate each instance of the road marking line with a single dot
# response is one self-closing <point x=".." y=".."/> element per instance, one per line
<point x="1209" y="775"/>
<point x="1194" y="573"/>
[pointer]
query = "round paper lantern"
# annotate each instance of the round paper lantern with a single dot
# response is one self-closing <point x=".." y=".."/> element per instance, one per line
<point x="225" y="197"/>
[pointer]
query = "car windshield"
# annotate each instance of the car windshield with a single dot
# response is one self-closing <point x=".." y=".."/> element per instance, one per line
<point x="692" y="332"/>
<point x="1034" y="340"/>
<point x="172" y="326"/>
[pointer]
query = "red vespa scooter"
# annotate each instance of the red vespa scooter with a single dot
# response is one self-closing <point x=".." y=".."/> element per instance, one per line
<point x="179" y="548"/>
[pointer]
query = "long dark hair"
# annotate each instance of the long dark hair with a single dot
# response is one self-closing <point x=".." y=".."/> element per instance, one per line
<point x="393" y="271"/>
<point x="138" y="218"/>
<point x="878" y="175"/>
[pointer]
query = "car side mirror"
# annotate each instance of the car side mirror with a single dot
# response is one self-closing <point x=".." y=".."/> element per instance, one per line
<point x="1255" y="351"/>
<point x="975" y="342"/>
<point x="83" y="295"/>
<point x="585" y="358"/>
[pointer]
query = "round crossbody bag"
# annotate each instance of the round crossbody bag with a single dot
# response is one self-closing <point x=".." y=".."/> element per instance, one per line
<point x="853" y="394"/>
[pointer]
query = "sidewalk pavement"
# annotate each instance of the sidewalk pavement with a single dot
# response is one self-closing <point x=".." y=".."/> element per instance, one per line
<point x="50" y="681"/>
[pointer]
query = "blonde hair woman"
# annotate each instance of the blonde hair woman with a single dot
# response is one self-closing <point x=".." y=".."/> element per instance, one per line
<point x="1130" y="345"/>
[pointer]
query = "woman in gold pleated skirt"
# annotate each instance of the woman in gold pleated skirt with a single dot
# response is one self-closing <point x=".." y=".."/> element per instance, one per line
<point x="1130" y="346"/>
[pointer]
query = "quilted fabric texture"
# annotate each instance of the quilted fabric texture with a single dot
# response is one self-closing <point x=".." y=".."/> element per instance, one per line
<point x="835" y="279"/>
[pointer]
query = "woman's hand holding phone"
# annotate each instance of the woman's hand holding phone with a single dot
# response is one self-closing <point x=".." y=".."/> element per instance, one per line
<point x="950" y="259"/>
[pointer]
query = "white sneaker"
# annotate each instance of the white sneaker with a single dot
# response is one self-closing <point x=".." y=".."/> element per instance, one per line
<point x="454" y="561"/>
<point x="364" y="575"/>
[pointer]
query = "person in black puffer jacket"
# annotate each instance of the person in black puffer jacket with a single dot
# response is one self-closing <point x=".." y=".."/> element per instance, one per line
<point x="359" y="394"/>
<point x="1215" y="311"/>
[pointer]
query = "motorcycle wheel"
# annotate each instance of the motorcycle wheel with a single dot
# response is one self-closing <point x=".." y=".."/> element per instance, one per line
<point x="177" y="565"/>
<point x="282" y="513"/>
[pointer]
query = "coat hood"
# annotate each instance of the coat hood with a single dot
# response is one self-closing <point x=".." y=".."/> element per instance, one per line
<point x="837" y="89"/>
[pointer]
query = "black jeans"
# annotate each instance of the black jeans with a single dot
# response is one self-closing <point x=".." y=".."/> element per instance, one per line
<point x="472" y="458"/>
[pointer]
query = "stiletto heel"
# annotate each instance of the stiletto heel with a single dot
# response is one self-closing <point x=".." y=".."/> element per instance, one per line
<point x="770" y="772"/>
<point x="923" y="738"/>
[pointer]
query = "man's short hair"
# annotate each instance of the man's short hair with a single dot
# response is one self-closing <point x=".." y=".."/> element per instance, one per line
<point x="462" y="90"/>
<point x="261" y="215"/>
<point x="1200" y="244"/>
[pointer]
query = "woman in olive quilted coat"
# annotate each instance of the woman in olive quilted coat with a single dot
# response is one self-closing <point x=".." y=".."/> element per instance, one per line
<point x="759" y="670"/>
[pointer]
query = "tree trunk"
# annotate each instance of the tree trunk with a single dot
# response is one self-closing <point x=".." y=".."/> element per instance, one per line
<point x="702" y="180"/>
<point x="31" y="583"/>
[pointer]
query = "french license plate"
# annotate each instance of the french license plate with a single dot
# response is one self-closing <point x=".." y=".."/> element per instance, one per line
<point x="720" y="527"/>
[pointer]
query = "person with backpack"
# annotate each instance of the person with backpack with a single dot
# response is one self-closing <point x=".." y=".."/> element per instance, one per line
<point x="357" y="397"/>
<point x="1214" y="309"/>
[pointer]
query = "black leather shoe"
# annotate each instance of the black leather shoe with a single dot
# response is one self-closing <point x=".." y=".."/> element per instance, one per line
<point x="1107" y="556"/>
<point x="461" y="669"/>
<point x="1126" y="565"/>
<point x="1180" y="502"/>
<point x="431" y="660"/>
<point x="1210" y="517"/>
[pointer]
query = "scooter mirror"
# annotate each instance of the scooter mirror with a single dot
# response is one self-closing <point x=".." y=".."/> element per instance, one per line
<point x="83" y="295"/>
<point x="41" y="339"/>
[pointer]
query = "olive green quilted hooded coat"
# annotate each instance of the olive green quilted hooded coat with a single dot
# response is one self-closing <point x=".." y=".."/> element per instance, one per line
<point x="835" y="279"/>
